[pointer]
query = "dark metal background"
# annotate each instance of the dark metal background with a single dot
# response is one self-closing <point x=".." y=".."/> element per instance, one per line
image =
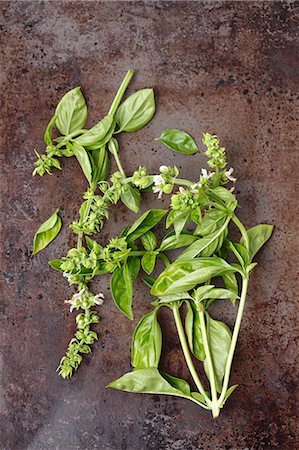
<point x="227" y="67"/>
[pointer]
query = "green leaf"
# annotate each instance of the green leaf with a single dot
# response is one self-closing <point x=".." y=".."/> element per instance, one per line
<point x="257" y="236"/>
<point x="219" y="339"/>
<point x="171" y="242"/>
<point x="149" y="241"/>
<point x="131" y="198"/>
<point x="184" y="275"/>
<point x="215" y="293"/>
<point x="96" y="133"/>
<point x="207" y="245"/>
<point x="100" y="165"/>
<point x="136" y="111"/>
<point x="177" y="383"/>
<point x="148" y="381"/>
<point x="145" y="223"/>
<point x="71" y="112"/>
<point x="149" y="281"/>
<point x="93" y="245"/>
<point x="230" y="282"/>
<point x="174" y="297"/>
<point x="122" y="290"/>
<point x="239" y="251"/>
<point x="134" y="266"/>
<point x="229" y="392"/>
<point x="83" y="159"/>
<point x="225" y="195"/>
<point x="212" y="221"/>
<point x="147" y="342"/>
<point x="55" y="264"/>
<point x="105" y="139"/>
<point x="178" y="141"/>
<point x="46" y="232"/>
<point x="48" y="132"/>
<point x="148" y="262"/>
<point x="193" y="332"/>
<point x="180" y="222"/>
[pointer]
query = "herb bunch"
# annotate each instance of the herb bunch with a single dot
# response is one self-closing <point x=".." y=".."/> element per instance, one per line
<point x="208" y="266"/>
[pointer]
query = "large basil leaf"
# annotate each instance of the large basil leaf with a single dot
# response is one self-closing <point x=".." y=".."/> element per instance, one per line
<point x="219" y="339"/>
<point x="136" y="111"/>
<point x="171" y="242"/>
<point x="71" y="112"/>
<point x="147" y="342"/>
<point x="184" y="275"/>
<point x="96" y="133"/>
<point x="83" y="159"/>
<point x="122" y="290"/>
<point x="257" y="236"/>
<point x="145" y="222"/>
<point x="46" y="232"/>
<point x="149" y="241"/>
<point x="193" y="331"/>
<point x="207" y="245"/>
<point x="178" y="141"/>
<point x="131" y="197"/>
<point x="134" y="266"/>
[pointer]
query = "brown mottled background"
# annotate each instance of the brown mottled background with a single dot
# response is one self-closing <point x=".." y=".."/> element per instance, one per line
<point x="227" y="67"/>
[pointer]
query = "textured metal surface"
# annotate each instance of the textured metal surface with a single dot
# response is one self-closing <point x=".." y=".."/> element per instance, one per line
<point x="229" y="68"/>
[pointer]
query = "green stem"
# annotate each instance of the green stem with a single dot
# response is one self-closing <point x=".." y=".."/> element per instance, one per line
<point x="120" y="92"/>
<point x="234" y="340"/>
<point x="242" y="229"/>
<point x="215" y="407"/>
<point x="164" y="258"/>
<point x="182" y="182"/>
<point x="118" y="163"/>
<point x="187" y="354"/>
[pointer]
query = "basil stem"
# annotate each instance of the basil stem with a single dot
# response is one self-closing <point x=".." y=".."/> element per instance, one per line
<point x="187" y="354"/>
<point x="234" y="339"/>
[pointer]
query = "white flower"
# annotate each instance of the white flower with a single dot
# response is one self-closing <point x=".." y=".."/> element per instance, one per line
<point x="98" y="299"/>
<point x="157" y="190"/>
<point x="163" y="169"/>
<point x="232" y="189"/>
<point x="75" y="300"/>
<point x="228" y="175"/>
<point x="158" y="179"/>
<point x="194" y="188"/>
<point x="206" y="174"/>
<point x="181" y="189"/>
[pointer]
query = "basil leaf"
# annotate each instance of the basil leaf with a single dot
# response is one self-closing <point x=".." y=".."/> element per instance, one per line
<point x="230" y="282"/>
<point x="46" y="232"/>
<point x="177" y="383"/>
<point x="178" y="141"/>
<point x="257" y="236"/>
<point x="226" y="196"/>
<point x="212" y="221"/>
<point x="148" y="381"/>
<point x="48" y="132"/>
<point x="100" y="165"/>
<point x="136" y="111"/>
<point x="174" y="297"/>
<point x="131" y="198"/>
<point x="71" y="112"/>
<point x="219" y="339"/>
<point x="93" y="245"/>
<point x="55" y="264"/>
<point x="83" y="159"/>
<point x="96" y="133"/>
<point x="148" y="262"/>
<point x="147" y="342"/>
<point x="229" y="392"/>
<point x="193" y="332"/>
<point x="239" y="251"/>
<point x="134" y="266"/>
<point x="149" y="241"/>
<point x="180" y="222"/>
<point x="184" y="275"/>
<point x="171" y="242"/>
<point x="149" y="281"/>
<point x="207" y="245"/>
<point x="145" y="222"/>
<point x="122" y="290"/>
<point x="105" y="140"/>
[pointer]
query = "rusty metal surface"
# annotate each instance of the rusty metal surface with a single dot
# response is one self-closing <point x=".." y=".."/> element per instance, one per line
<point x="227" y="67"/>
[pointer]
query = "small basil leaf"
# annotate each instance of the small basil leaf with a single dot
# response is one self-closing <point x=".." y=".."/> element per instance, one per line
<point x="149" y="241"/>
<point x="178" y="141"/>
<point x="96" y="133"/>
<point x="93" y="245"/>
<point x="122" y="290"/>
<point x="219" y="339"/>
<point x="136" y="111"/>
<point x="193" y="332"/>
<point x="229" y="392"/>
<point x="134" y="266"/>
<point x="258" y="236"/>
<point x="171" y="242"/>
<point x="147" y="342"/>
<point x="149" y="281"/>
<point x="177" y="383"/>
<point x="211" y="222"/>
<point x="48" y="132"/>
<point x="131" y="197"/>
<point x="83" y="159"/>
<point x="100" y="163"/>
<point x="230" y="282"/>
<point x="46" y="232"/>
<point x="174" y="297"/>
<point x="55" y="264"/>
<point x="71" y="112"/>
<point x="180" y="222"/>
<point x="145" y="222"/>
<point x="148" y="262"/>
